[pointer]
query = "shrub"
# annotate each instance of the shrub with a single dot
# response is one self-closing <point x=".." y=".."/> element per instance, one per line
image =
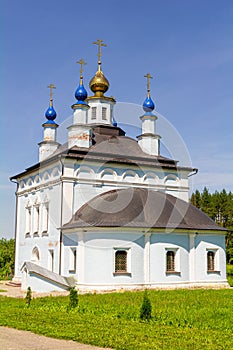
<point x="73" y="298"/>
<point x="28" y="297"/>
<point x="146" y="309"/>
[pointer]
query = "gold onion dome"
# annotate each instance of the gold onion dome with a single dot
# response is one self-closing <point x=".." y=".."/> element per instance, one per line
<point x="99" y="84"/>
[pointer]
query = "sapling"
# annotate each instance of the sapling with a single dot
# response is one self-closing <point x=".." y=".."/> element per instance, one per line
<point x="28" y="297"/>
<point x="146" y="308"/>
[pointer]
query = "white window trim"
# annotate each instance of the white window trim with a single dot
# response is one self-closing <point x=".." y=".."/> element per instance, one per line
<point x="93" y="113"/>
<point x="216" y="260"/>
<point x="176" y="251"/>
<point x="128" y="251"/>
<point x="51" y="259"/>
<point x="72" y="259"/>
<point x="28" y="221"/>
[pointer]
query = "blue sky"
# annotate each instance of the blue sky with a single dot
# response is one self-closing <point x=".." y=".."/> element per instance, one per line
<point x="186" y="45"/>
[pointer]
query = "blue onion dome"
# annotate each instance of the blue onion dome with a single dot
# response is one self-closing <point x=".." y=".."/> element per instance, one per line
<point x="148" y="104"/>
<point x="81" y="93"/>
<point x="50" y="113"/>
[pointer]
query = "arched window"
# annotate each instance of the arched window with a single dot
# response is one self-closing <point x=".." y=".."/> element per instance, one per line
<point x="170" y="260"/>
<point x="121" y="261"/>
<point x="210" y="261"/>
<point x="35" y="254"/>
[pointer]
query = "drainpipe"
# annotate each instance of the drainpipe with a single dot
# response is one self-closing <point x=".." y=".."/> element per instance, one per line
<point x="61" y="215"/>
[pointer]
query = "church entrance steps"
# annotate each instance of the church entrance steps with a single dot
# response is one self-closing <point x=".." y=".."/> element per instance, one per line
<point x="13" y="284"/>
<point x="40" y="273"/>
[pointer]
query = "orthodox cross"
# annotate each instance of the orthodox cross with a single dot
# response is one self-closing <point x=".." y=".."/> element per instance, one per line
<point x="99" y="42"/>
<point x="81" y="62"/>
<point x="148" y="76"/>
<point x="51" y="87"/>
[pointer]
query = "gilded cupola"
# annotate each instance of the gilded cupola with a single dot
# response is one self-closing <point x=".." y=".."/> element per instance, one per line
<point x="99" y="83"/>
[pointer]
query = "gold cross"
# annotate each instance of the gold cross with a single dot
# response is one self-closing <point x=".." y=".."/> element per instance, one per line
<point x="99" y="42"/>
<point x="81" y="62"/>
<point x="148" y="76"/>
<point x="51" y="87"/>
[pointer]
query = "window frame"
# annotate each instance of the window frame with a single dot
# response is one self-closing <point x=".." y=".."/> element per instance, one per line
<point x="127" y="272"/>
<point x="73" y="260"/>
<point x="104" y="113"/>
<point x="176" y="262"/>
<point x="93" y="113"/>
<point x="215" y="262"/>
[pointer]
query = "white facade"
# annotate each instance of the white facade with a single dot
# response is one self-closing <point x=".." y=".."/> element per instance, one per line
<point x="98" y="160"/>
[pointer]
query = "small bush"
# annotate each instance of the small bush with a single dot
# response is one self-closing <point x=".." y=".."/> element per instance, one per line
<point x="28" y="297"/>
<point x="146" y="309"/>
<point x="73" y="298"/>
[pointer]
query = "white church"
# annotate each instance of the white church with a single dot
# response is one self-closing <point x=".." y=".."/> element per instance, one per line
<point x="107" y="212"/>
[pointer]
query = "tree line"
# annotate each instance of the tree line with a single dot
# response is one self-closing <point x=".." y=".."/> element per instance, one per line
<point x="218" y="206"/>
<point x="7" y="258"/>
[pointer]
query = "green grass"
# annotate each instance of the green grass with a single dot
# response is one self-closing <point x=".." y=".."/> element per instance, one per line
<point x="181" y="319"/>
<point x="3" y="290"/>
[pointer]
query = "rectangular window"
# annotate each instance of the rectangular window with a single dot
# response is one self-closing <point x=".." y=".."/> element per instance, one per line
<point x="73" y="260"/>
<point x="170" y="259"/>
<point x="93" y="112"/>
<point x="104" y="113"/>
<point x="36" y="220"/>
<point x="45" y="219"/>
<point x="120" y="261"/>
<point x="173" y="261"/>
<point x="51" y="260"/>
<point x="210" y="261"/>
<point x="28" y="221"/>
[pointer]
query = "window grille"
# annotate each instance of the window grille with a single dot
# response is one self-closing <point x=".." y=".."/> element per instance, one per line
<point x="121" y="261"/>
<point x="93" y="112"/>
<point x="170" y="260"/>
<point x="210" y="261"/>
<point x="104" y="113"/>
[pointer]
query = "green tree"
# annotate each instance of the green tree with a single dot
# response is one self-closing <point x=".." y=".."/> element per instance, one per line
<point x="146" y="308"/>
<point x="219" y="206"/>
<point x="73" y="298"/>
<point x="7" y="254"/>
<point x="28" y="297"/>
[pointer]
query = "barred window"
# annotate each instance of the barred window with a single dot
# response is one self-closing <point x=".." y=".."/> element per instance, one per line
<point x="170" y="259"/>
<point x="93" y="112"/>
<point x="121" y="261"/>
<point x="210" y="261"/>
<point x="104" y="113"/>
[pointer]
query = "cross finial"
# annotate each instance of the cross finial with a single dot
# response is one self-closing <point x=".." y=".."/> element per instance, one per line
<point x="51" y="87"/>
<point x="81" y="62"/>
<point x="100" y="44"/>
<point x="148" y="76"/>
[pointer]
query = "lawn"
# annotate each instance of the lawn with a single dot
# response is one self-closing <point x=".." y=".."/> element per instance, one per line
<point x="182" y="319"/>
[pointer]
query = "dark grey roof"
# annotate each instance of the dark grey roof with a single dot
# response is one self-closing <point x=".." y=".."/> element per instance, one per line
<point x="66" y="282"/>
<point x="109" y="145"/>
<point x="136" y="207"/>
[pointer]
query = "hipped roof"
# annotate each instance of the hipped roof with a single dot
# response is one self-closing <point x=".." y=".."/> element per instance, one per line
<point x="137" y="207"/>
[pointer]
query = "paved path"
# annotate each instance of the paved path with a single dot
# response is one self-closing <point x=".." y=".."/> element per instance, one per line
<point x="13" y="339"/>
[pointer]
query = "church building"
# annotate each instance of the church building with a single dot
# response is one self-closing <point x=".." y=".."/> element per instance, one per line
<point x="106" y="212"/>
